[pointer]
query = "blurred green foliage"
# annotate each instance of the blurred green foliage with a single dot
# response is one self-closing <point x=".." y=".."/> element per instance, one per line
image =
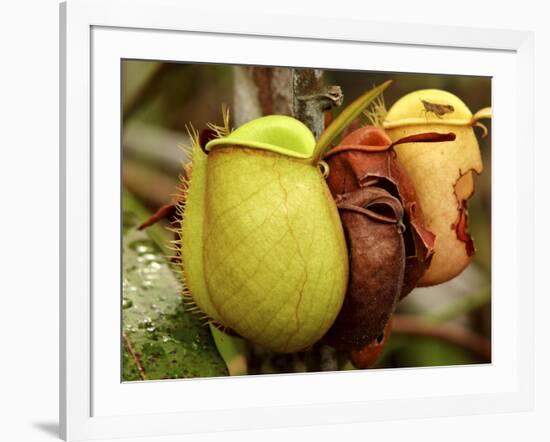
<point x="415" y="351"/>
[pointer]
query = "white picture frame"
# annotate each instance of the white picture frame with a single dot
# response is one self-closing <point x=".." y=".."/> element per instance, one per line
<point x="95" y="35"/>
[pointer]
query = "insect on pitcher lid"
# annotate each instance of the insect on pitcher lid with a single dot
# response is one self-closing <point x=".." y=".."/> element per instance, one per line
<point x="429" y="106"/>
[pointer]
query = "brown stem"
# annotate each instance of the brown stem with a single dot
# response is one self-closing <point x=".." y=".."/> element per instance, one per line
<point x="299" y="92"/>
<point x="246" y="102"/>
<point x="261" y="91"/>
<point x="312" y="99"/>
<point x="134" y="356"/>
<point x="454" y="334"/>
<point x="151" y="186"/>
<point x="274" y="90"/>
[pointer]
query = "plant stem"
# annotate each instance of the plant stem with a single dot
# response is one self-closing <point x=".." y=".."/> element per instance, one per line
<point x="157" y="232"/>
<point x="464" y="305"/>
<point x="312" y="99"/>
<point x="452" y="333"/>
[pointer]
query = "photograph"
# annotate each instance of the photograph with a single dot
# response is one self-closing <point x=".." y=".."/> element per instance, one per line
<point x="294" y="219"/>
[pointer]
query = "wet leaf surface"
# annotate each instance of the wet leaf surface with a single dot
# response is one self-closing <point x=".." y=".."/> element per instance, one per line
<point x="161" y="340"/>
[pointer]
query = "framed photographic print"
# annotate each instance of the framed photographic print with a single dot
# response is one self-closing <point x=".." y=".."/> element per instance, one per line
<point x="250" y="226"/>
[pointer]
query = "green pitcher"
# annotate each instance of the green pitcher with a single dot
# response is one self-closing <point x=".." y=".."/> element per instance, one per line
<point x="262" y="246"/>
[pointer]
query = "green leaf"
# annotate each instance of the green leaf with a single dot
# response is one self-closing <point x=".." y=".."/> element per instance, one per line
<point x="415" y="351"/>
<point x="233" y="351"/>
<point x="345" y="118"/>
<point x="161" y="340"/>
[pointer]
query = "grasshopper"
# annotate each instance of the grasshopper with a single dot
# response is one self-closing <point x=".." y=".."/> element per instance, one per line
<point x="437" y="109"/>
